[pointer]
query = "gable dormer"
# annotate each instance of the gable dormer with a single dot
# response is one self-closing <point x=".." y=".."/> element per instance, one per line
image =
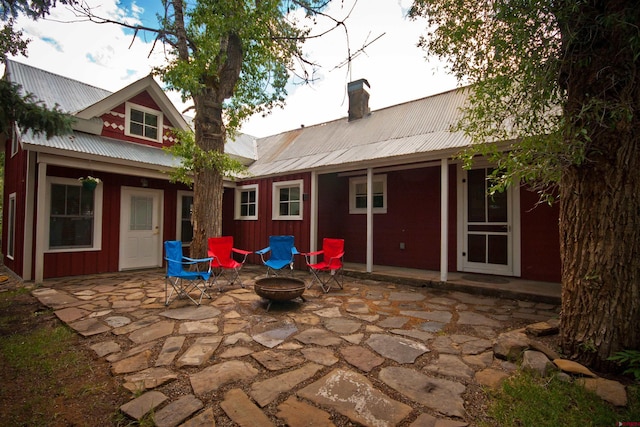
<point x="140" y="112"/>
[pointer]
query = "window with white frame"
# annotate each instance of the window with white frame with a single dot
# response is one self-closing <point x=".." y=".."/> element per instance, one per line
<point x="358" y="194"/>
<point x="246" y="202"/>
<point x="11" y="227"/>
<point x="287" y="199"/>
<point x="15" y="141"/>
<point x="75" y="215"/>
<point x="185" y="212"/>
<point x="143" y="122"/>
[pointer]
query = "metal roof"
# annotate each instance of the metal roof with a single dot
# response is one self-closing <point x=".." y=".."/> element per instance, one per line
<point x="413" y="131"/>
<point x="81" y="144"/>
<point x="72" y="96"/>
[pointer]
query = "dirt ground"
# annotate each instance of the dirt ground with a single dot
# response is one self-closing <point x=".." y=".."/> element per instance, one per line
<point x="92" y="399"/>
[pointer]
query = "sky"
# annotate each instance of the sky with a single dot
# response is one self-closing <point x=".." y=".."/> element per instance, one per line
<point x="108" y="57"/>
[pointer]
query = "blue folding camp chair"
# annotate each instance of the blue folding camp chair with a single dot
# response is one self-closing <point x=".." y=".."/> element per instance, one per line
<point x="282" y="253"/>
<point x="185" y="275"/>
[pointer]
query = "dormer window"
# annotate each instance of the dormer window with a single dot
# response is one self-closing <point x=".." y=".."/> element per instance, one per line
<point x="143" y="122"/>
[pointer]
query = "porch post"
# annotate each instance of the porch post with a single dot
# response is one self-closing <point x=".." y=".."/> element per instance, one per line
<point x="313" y="226"/>
<point x="369" y="220"/>
<point x="40" y="222"/>
<point x="444" y="219"/>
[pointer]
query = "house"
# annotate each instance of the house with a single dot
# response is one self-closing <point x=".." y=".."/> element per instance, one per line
<point x="425" y="211"/>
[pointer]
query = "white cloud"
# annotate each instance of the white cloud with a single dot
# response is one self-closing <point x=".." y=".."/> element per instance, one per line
<point x="105" y="56"/>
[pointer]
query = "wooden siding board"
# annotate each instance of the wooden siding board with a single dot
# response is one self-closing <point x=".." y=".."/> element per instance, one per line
<point x="540" y="248"/>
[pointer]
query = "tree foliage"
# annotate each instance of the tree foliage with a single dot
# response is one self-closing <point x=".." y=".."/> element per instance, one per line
<point x="554" y="101"/>
<point x="27" y="112"/>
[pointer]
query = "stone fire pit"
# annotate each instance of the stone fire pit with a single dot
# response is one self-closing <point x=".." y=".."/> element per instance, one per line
<point x="279" y="288"/>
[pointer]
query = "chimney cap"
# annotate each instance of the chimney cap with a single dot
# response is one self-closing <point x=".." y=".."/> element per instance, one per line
<point x="357" y="84"/>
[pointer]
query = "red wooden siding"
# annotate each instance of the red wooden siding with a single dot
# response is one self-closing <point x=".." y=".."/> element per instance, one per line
<point x="106" y="260"/>
<point x="540" y="247"/>
<point x="412" y="218"/>
<point x="142" y="99"/>
<point x="15" y="171"/>
<point x="254" y="235"/>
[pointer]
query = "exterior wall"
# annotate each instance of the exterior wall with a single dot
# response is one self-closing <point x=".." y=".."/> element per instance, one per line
<point x="412" y="218"/>
<point x="253" y="235"/>
<point x="15" y="171"/>
<point x="106" y="260"/>
<point x="540" y="237"/>
<point x="114" y="122"/>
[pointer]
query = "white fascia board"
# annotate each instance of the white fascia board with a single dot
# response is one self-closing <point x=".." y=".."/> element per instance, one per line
<point x="128" y="92"/>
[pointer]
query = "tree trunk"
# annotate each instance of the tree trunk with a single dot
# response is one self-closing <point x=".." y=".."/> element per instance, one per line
<point x="210" y="136"/>
<point x="600" y="197"/>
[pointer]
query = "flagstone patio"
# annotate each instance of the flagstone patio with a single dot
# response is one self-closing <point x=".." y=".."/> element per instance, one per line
<point x="374" y="353"/>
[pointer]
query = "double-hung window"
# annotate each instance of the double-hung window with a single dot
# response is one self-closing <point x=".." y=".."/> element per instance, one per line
<point x="75" y="215"/>
<point x="143" y="122"/>
<point x="358" y="194"/>
<point x="246" y="202"/>
<point x="287" y="199"/>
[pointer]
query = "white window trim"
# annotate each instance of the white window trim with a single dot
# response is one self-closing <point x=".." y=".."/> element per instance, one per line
<point x="363" y="180"/>
<point x="15" y="141"/>
<point x="275" y="204"/>
<point x="127" y="121"/>
<point x="238" y="199"/>
<point x="181" y="194"/>
<point x="97" y="216"/>
<point x="11" y="227"/>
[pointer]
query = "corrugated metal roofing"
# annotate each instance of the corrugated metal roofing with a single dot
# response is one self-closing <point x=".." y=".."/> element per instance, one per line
<point x="94" y="145"/>
<point x="415" y="129"/>
<point x="72" y="96"/>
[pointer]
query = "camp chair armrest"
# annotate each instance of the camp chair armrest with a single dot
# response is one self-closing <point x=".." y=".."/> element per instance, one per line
<point x="195" y="260"/>
<point x="264" y="251"/>
<point x="241" y="251"/>
<point x="294" y="251"/>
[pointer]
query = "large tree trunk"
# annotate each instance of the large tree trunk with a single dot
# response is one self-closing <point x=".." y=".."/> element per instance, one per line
<point x="600" y="198"/>
<point x="210" y="136"/>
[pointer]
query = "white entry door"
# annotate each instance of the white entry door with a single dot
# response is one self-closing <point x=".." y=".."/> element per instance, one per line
<point x="140" y="225"/>
<point x="488" y="233"/>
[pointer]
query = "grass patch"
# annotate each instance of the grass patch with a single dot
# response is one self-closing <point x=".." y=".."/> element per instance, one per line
<point x="47" y="377"/>
<point x="527" y="400"/>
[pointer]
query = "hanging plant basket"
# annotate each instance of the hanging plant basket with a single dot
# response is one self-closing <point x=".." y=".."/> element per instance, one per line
<point x="89" y="182"/>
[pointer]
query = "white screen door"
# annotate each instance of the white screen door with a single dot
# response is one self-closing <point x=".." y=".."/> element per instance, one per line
<point x="487" y="226"/>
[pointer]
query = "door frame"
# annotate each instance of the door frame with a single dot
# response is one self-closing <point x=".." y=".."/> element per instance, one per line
<point x="513" y="267"/>
<point x="125" y="193"/>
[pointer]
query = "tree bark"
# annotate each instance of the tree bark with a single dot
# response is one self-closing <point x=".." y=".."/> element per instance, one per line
<point x="210" y="136"/>
<point x="600" y="197"/>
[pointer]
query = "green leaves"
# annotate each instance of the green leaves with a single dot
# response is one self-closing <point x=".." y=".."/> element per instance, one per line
<point x="30" y="114"/>
<point x="196" y="159"/>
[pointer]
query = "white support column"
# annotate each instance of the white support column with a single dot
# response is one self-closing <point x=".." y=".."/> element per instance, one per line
<point x="444" y="219"/>
<point x="369" y="220"/>
<point x="313" y="232"/>
<point x="40" y="222"/>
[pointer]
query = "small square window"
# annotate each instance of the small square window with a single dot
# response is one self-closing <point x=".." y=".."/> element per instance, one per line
<point x="143" y="122"/>
<point x="287" y="200"/>
<point x="358" y="194"/>
<point x="246" y="202"/>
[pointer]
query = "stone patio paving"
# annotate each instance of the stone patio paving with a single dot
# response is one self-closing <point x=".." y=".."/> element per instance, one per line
<point x="372" y="354"/>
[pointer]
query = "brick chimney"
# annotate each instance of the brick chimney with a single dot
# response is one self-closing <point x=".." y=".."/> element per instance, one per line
<point x="358" y="99"/>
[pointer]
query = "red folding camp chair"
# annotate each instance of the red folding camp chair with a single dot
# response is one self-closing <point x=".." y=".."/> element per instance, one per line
<point x="223" y="263"/>
<point x="328" y="270"/>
